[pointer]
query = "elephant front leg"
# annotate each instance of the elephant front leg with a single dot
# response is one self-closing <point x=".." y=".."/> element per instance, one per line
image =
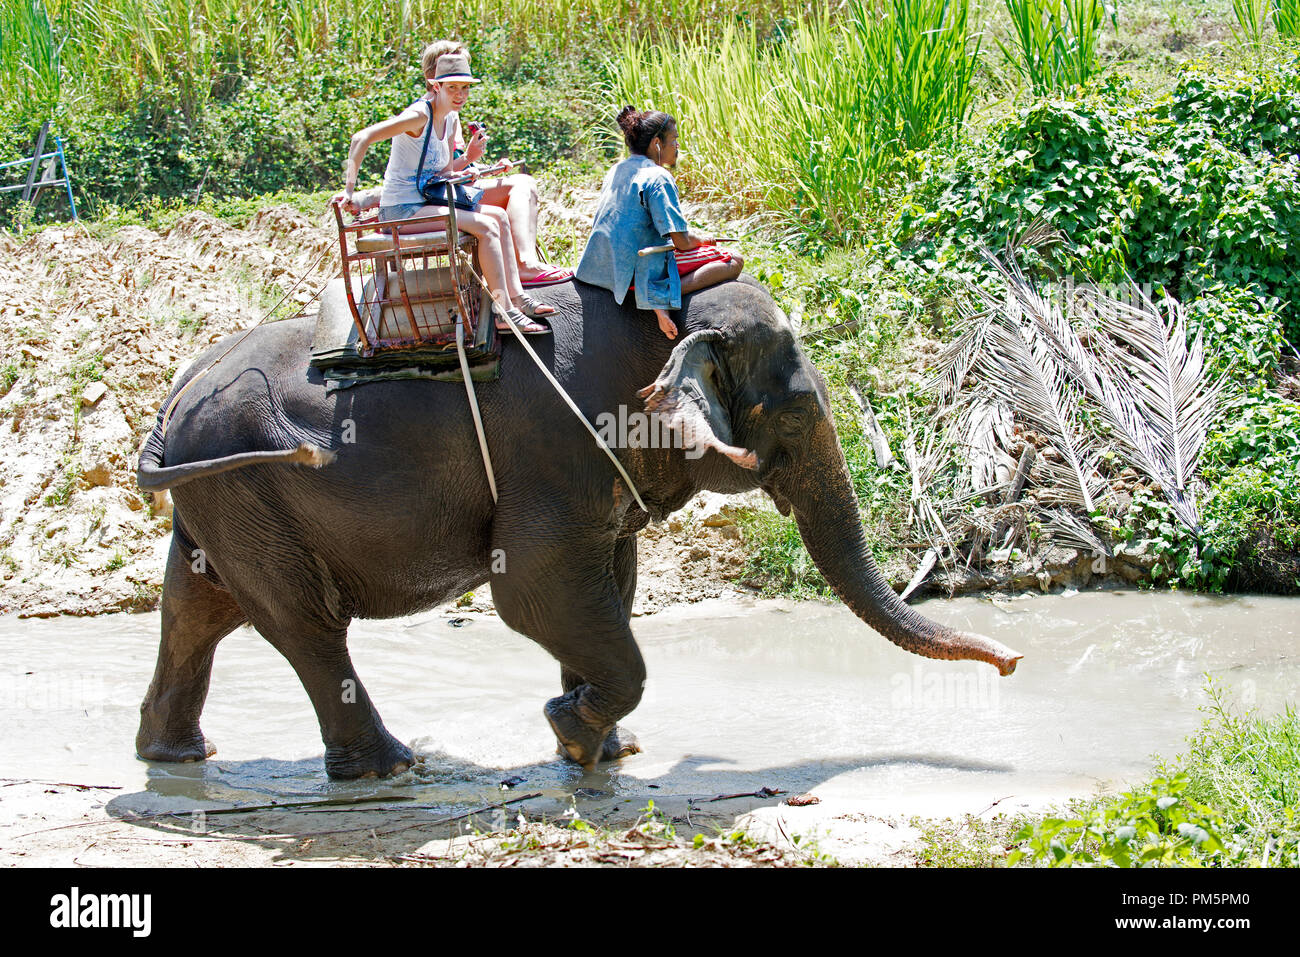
<point x="570" y="604"/>
<point x="620" y="742"/>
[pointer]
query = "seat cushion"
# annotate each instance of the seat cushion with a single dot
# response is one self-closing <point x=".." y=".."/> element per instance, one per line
<point x="412" y="242"/>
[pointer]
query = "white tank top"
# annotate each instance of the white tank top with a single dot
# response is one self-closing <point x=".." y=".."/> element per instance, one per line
<point x="404" y="160"/>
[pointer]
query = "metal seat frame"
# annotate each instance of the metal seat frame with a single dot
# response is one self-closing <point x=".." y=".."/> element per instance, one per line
<point x="371" y="291"/>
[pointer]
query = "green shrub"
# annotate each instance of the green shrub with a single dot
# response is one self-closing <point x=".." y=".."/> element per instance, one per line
<point x="1242" y="332"/>
<point x="1188" y="192"/>
<point x="1153" y="826"/>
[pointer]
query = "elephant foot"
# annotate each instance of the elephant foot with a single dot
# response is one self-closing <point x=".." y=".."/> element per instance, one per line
<point x="619" y="743"/>
<point x="381" y="758"/>
<point x="582" y="742"/>
<point x="177" y="749"/>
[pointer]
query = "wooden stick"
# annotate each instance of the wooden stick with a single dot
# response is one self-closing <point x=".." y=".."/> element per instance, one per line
<point x="1022" y="473"/>
<point x="669" y="247"/>
<point x="245" y="808"/>
<point x="64" y="784"/>
<point x="760" y="793"/>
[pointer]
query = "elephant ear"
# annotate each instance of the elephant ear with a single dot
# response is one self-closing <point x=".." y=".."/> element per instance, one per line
<point x="686" y="397"/>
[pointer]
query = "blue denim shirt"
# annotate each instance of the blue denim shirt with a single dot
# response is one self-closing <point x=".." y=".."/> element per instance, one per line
<point x="638" y="207"/>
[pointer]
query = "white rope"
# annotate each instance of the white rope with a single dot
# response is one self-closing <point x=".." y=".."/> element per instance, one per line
<point x="473" y="404"/>
<point x="576" y="411"/>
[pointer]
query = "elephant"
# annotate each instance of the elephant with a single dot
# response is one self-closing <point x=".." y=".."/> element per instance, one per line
<point x="299" y="527"/>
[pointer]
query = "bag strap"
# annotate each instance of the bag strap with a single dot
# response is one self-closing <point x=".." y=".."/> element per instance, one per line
<point x="428" y="129"/>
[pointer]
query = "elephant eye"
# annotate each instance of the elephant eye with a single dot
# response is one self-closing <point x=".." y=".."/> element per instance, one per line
<point x="790" y="423"/>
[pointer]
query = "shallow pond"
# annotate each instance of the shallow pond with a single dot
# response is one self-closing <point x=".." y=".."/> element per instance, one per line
<point x="741" y="695"/>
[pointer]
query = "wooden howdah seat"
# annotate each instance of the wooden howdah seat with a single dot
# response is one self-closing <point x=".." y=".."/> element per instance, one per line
<point x="405" y="294"/>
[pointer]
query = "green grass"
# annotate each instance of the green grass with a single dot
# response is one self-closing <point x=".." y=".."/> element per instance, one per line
<point x="1229" y="800"/>
<point x="1248" y="768"/>
<point x="115" y="50"/>
<point x="1057" y="41"/>
<point x="63" y="489"/>
<point x="809" y="126"/>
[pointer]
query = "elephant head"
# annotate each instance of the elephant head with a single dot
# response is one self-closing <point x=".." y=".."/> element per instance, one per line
<point x="745" y="390"/>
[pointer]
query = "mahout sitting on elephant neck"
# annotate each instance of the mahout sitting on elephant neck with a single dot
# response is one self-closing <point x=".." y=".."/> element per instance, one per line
<point x="637" y="210"/>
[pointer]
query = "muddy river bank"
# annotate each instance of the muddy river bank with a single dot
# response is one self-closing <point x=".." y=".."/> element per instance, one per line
<point x="743" y="695"/>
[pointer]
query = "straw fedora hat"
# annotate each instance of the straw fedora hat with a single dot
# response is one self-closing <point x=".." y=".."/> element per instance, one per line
<point x="452" y="68"/>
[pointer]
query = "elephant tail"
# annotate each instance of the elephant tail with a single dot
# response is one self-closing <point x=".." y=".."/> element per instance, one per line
<point x="153" y="476"/>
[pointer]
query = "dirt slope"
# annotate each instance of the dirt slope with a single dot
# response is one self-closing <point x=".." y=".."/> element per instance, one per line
<point x="93" y="331"/>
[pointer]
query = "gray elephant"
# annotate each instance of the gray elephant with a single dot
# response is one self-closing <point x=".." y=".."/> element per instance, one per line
<point x="400" y="518"/>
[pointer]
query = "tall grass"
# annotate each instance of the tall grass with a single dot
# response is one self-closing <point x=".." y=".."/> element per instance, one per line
<point x="1286" y="17"/>
<point x="813" y="125"/>
<point x="31" y="73"/>
<point x="1252" y="21"/>
<point x="118" y="49"/>
<point x="1056" y="41"/>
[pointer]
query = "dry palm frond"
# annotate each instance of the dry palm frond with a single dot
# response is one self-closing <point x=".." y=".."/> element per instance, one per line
<point x="991" y="528"/>
<point x="1146" y="382"/>
<point x="924" y="465"/>
<point x="984" y="431"/>
<point x="955" y="362"/>
<point x="1069" y="529"/>
<point x="1021" y="366"/>
<point x="1154" y="394"/>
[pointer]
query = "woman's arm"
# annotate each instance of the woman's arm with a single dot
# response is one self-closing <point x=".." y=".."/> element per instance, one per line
<point x="659" y="196"/>
<point x="409" y="122"/>
<point x="474" y="149"/>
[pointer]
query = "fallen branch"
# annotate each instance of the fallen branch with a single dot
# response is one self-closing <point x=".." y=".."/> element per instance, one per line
<point x="760" y="793"/>
<point x="927" y="565"/>
<point x="1022" y="473"/>
<point x="64" y="784"/>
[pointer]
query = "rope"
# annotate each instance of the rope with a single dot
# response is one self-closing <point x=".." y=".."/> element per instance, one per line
<point x="171" y="406"/>
<point x="473" y="405"/>
<point x="523" y="341"/>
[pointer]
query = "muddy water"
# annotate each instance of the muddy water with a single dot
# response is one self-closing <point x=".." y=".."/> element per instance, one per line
<point x="741" y="695"/>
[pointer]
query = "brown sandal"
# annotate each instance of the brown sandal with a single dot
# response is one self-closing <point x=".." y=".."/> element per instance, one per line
<point x="533" y="309"/>
<point x="527" y="326"/>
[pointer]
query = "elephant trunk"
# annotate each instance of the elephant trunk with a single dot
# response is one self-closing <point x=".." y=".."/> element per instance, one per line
<point x="826" y="510"/>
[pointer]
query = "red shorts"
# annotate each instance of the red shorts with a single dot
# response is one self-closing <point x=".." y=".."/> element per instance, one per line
<point x="693" y="259"/>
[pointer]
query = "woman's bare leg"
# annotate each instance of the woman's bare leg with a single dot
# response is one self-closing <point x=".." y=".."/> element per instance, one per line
<point x="517" y="195"/>
<point x="509" y="264"/>
<point x="487" y="230"/>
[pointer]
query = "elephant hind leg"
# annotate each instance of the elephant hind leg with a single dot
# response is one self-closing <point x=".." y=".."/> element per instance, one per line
<point x="196" y="615"/>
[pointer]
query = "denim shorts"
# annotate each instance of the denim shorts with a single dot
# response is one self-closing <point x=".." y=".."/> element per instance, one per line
<point x="399" y="211"/>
